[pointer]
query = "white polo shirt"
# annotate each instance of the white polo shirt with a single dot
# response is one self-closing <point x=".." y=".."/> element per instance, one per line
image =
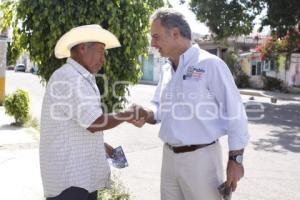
<point x="69" y="154"/>
<point x="199" y="102"/>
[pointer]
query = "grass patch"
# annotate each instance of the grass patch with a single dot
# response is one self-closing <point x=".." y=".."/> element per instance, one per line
<point x="33" y="123"/>
<point x="116" y="192"/>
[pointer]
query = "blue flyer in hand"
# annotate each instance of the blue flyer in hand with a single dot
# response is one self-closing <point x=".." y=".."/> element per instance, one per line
<point x="118" y="158"/>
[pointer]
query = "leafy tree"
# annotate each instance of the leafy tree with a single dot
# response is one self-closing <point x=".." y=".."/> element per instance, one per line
<point x="228" y="18"/>
<point x="13" y="50"/>
<point x="274" y="47"/>
<point x="282" y="16"/>
<point x="39" y="24"/>
<point x="270" y="48"/>
<point x="290" y="43"/>
<point x="13" y="53"/>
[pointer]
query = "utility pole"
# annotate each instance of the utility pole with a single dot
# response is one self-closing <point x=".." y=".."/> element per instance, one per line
<point x="3" y="49"/>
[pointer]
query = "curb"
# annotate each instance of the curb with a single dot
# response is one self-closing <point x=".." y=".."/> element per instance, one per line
<point x="250" y="93"/>
<point x="261" y="94"/>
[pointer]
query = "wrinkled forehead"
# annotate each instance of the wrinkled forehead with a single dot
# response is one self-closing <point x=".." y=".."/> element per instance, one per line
<point x="100" y="45"/>
<point x="157" y="28"/>
<point x="95" y="45"/>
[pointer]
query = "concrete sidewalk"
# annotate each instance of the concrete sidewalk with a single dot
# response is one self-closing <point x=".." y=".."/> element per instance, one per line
<point x="19" y="162"/>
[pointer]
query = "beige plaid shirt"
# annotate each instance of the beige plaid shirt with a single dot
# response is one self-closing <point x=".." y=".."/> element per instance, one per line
<point x="70" y="155"/>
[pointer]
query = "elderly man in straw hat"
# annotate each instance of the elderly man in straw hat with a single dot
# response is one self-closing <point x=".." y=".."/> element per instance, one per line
<point x="72" y="151"/>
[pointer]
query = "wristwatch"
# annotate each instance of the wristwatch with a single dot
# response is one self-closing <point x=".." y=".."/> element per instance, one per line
<point x="237" y="158"/>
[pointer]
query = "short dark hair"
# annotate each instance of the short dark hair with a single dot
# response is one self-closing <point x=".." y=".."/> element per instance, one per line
<point x="170" y="18"/>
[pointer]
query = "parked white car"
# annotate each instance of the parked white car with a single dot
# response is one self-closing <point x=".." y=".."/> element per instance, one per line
<point x="20" y="68"/>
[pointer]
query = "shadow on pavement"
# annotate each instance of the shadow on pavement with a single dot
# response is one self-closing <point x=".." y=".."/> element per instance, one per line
<point x="287" y="140"/>
<point x="287" y="117"/>
<point x="9" y="127"/>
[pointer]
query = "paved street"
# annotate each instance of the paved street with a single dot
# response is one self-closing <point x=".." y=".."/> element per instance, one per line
<point x="271" y="159"/>
<point x="31" y="84"/>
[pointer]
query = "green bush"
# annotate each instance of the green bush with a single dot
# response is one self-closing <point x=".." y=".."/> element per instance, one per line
<point x="242" y="80"/>
<point x="273" y="84"/>
<point x="33" y="123"/>
<point x="17" y="105"/>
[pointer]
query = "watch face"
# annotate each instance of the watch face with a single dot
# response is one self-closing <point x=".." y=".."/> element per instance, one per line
<point x="239" y="159"/>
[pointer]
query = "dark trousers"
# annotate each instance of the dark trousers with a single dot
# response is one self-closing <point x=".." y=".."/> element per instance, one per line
<point x="75" y="193"/>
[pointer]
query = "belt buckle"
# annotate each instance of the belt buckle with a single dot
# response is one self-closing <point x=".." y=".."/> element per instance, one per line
<point x="171" y="147"/>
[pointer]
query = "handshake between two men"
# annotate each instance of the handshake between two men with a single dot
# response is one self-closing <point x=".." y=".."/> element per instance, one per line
<point x="135" y="114"/>
<point x="140" y="115"/>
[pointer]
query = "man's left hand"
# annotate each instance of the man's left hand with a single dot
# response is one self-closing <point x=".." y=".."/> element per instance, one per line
<point x="108" y="149"/>
<point x="235" y="172"/>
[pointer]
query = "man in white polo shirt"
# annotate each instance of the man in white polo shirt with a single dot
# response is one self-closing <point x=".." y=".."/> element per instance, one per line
<point x="72" y="154"/>
<point x="196" y="102"/>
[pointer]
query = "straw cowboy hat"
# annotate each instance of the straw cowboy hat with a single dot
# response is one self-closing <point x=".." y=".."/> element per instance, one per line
<point x="82" y="34"/>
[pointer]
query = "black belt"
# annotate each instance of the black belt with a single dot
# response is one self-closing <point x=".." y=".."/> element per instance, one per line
<point x="188" y="148"/>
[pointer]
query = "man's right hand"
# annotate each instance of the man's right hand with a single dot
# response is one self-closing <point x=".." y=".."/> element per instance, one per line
<point x="138" y="123"/>
<point x="136" y="115"/>
<point x="141" y="115"/>
<point x="139" y="112"/>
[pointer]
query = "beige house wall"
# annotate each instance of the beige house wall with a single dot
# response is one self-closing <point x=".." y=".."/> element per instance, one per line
<point x="246" y="67"/>
<point x="287" y="76"/>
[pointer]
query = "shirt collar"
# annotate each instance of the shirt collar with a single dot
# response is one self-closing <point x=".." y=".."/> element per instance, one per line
<point x="78" y="67"/>
<point x="188" y="54"/>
